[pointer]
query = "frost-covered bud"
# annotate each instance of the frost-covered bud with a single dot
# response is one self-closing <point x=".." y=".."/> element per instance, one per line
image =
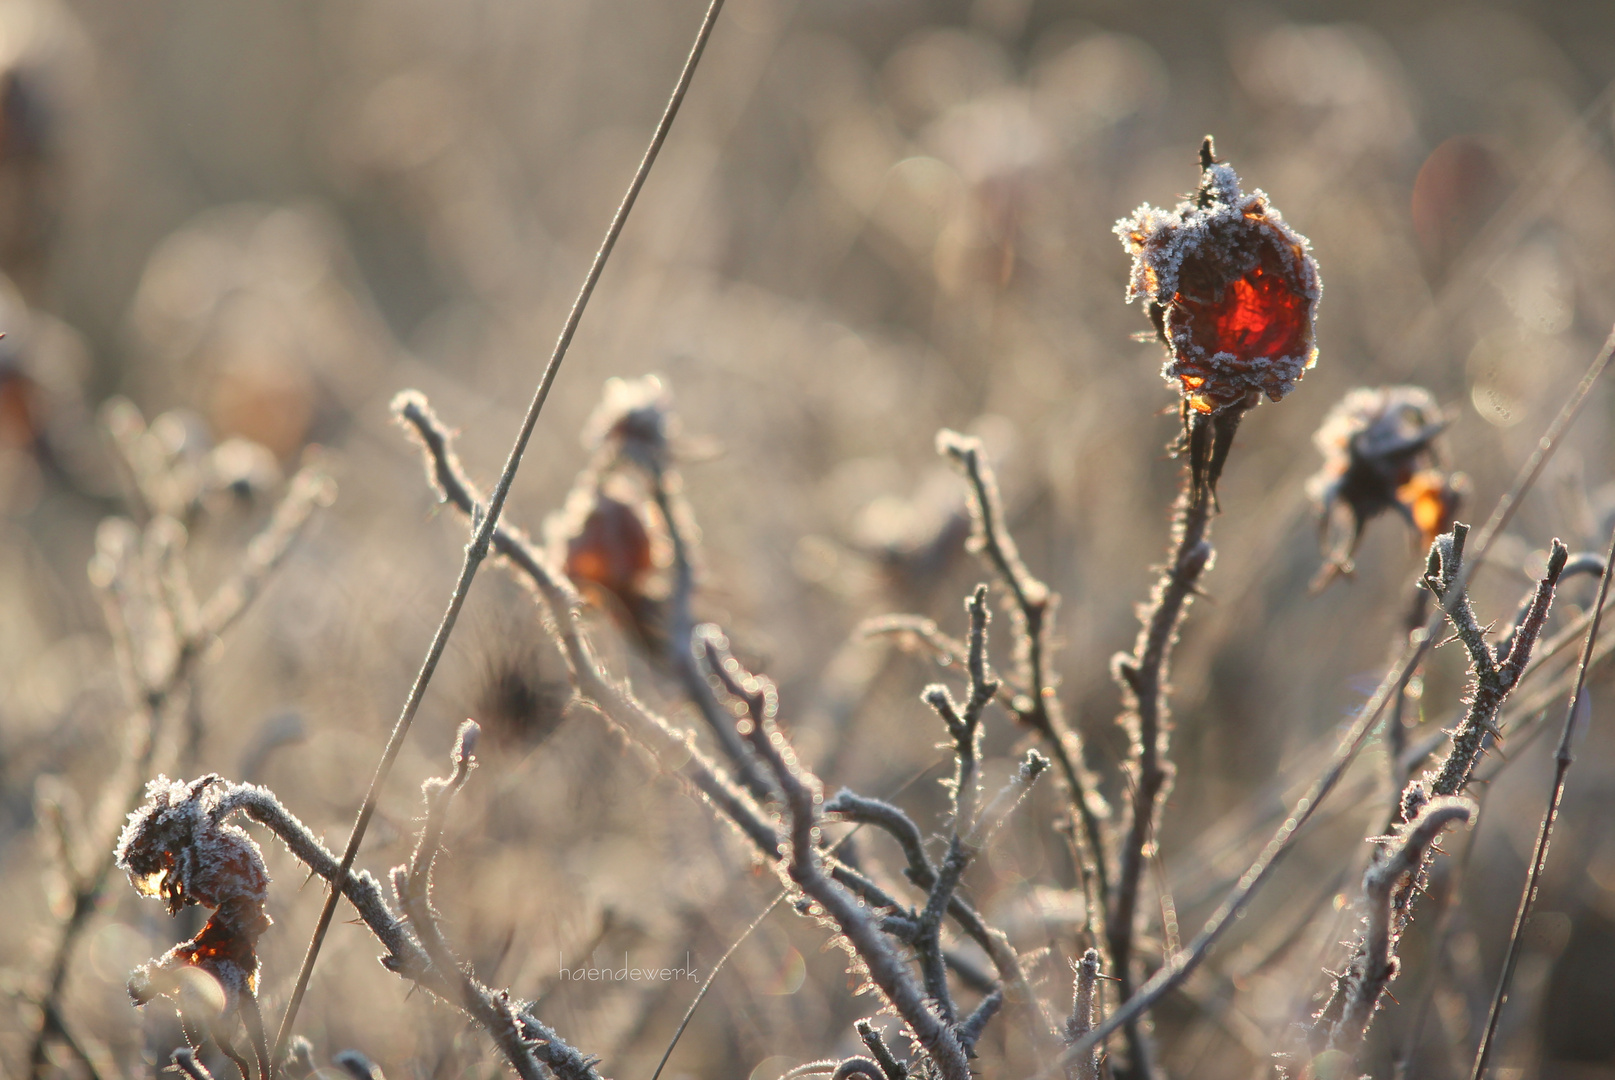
<point x="177" y="848"/>
<point x="1233" y="292"/>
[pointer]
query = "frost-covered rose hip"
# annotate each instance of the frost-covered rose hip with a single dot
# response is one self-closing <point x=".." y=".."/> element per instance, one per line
<point x="1232" y="290"/>
<point x="1233" y="293"/>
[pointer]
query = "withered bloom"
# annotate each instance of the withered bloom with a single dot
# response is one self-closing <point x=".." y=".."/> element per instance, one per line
<point x="1379" y="454"/>
<point x="177" y="848"/>
<point x="1233" y="293"/>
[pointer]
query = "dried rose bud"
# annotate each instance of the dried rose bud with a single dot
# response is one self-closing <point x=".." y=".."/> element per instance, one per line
<point x="1379" y="454"/>
<point x="177" y="848"/>
<point x="1232" y="290"/>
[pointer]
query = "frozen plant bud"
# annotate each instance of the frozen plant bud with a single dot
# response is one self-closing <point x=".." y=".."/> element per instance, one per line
<point x="177" y="848"/>
<point x="1232" y="291"/>
<point x="1379" y="454"/>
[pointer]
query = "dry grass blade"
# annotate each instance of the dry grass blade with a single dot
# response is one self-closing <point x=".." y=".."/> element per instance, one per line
<point x="1562" y="760"/>
<point x="485" y="520"/>
<point x="701" y="994"/>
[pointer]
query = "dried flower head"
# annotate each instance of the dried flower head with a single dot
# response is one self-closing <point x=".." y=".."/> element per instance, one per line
<point x="1379" y="454"/>
<point x="177" y="848"/>
<point x="1232" y="291"/>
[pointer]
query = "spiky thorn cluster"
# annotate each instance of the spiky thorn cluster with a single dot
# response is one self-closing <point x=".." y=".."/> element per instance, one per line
<point x="1396" y="867"/>
<point x="1494" y="670"/>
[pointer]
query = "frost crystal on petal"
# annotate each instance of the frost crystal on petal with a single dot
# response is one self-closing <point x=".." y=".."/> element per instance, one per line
<point x="1233" y="292"/>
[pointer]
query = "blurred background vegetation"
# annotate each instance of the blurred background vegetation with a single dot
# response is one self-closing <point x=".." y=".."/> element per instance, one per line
<point x="874" y="218"/>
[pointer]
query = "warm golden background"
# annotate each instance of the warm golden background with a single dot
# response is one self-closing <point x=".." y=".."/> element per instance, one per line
<point x="873" y="218"/>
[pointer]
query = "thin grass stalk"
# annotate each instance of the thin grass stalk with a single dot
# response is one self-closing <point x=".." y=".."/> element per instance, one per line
<point x="1562" y="759"/>
<point x="485" y="521"/>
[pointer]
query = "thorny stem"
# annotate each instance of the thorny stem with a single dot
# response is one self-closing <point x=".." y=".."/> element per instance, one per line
<point x="1494" y="677"/>
<point x="1179" y="967"/>
<point x="1377" y="965"/>
<point x="877" y="1048"/>
<point x="1441" y="935"/>
<point x="1395" y="728"/>
<point x="1143" y="677"/>
<point x="484" y="521"/>
<point x="1038" y="707"/>
<point x="1084" y="998"/>
<point x="1562" y="759"/>
<point x="412" y="886"/>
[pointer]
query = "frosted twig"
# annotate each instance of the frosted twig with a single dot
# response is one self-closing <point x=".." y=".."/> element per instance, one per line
<point x="1038" y="706"/>
<point x="804" y="868"/>
<point x="1373" y="970"/>
<point x="1084" y="1000"/>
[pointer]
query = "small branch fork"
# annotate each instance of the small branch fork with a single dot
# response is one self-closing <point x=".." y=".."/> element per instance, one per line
<point x="1494" y="672"/>
<point x="929" y="1013"/>
<point x="1036" y="704"/>
<point x="796" y="849"/>
<point x="484" y="520"/>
